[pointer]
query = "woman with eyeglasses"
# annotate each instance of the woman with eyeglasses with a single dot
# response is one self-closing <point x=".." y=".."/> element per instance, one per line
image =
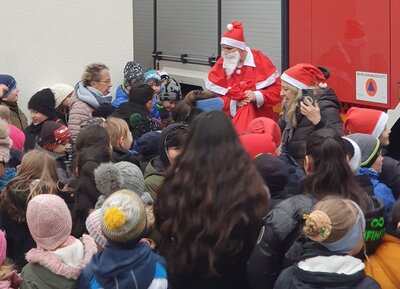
<point x="90" y="93"/>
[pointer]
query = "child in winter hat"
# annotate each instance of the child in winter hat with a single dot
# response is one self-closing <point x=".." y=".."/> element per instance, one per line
<point x="42" y="102"/>
<point x="62" y="92"/>
<point x="41" y="106"/>
<point x="94" y="228"/>
<point x="335" y="229"/>
<point x="383" y="264"/>
<point x="59" y="258"/>
<point x="10" y="98"/>
<point x="368" y="121"/>
<point x="133" y="75"/>
<point x="9" y="276"/>
<point x="123" y="223"/>
<point x="54" y="138"/>
<point x="111" y="177"/>
<point x="371" y="165"/>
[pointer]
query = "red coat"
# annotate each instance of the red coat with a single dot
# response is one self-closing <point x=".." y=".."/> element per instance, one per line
<point x="257" y="74"/>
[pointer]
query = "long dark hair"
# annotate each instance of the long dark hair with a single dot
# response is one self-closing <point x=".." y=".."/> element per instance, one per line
<point x="86" y="193"/>
<point x="210" y="206"/>
<point x="330" y="173"/>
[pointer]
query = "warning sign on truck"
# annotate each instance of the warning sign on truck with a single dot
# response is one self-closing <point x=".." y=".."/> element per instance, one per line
<point x="371" y="87"/>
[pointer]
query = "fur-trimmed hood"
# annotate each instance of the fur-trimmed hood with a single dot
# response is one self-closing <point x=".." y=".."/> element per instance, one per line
<point x="54" y="262"/>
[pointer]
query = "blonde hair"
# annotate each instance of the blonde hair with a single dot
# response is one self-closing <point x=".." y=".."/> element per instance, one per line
<point x="5" y="113"/>
<point x="331" y="219"/>
<point x="38" y="170"/>
<point x="92" y="73"/>
<point x="290" y="109"/>
<point x="6" y="269"/>
<point x="116" y="128"/>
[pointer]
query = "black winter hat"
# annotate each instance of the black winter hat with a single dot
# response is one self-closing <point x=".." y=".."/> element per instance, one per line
<point x="43" y="101"/>
<point x="172" y="135"/>
<point x="274" y="172"/>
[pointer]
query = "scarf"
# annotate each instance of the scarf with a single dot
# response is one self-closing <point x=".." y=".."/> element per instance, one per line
<point x="91" y="95"/>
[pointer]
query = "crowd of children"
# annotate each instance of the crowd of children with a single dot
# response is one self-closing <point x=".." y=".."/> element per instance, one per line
<point x="157" y="189"/>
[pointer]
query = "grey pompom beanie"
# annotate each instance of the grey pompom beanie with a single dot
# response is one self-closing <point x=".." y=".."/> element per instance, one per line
<point x="111" y="177"/>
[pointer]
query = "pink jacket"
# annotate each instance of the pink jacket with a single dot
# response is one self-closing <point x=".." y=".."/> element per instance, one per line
<point x="18" y="138"/>
<point x="13" y="282"/>
<point x="78" y="111"/>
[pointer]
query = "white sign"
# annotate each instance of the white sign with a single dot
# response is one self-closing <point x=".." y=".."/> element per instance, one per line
<point x="371" y="87"/>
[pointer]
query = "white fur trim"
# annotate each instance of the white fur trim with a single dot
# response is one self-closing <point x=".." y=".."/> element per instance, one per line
<point x="216" y="88"/>
<point x="347" y="265"/>
<point x="323" y="84"/>
<point x="259" y="98"/>
<point x="232" y="107"/>
<point x="233" y="43"/>
<point x="380" y="125"/>
<point x="270" y="80"/>
<point x="229" y="26"/>
<point x="293" y="81"/>
<point x="355" y="161"/>
<point x="71" y="255"/>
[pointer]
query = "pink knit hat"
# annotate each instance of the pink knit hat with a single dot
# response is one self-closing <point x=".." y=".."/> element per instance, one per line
<point x="49" y="221"/>
<point x="3" y="247"/>
<point x="94" y="228"/>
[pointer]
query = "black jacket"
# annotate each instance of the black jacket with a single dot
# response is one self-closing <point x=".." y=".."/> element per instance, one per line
<point x="390" y="175"/>
<point x="330" y="107"/>
<point x="317" y="267"/>
<point x="123" y="155"/>
<point x="281" y="229"/>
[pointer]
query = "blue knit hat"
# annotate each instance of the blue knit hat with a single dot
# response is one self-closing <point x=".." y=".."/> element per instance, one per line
<point x="9" y="81"/>
<point x="152" y="75"/>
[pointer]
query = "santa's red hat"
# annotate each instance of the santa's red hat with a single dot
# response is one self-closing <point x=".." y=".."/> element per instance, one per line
<point x="234" y="35"/>
<point x="303" y="76"/>
<point x="365" y="120"/>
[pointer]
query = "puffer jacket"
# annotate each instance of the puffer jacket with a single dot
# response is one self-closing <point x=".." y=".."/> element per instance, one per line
<point x="282" y="227"/>
<point x="330" y="107"/>
<point x="78" y="112"/>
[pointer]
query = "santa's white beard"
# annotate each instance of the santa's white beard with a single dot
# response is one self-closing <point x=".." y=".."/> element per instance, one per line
<point x="230" y="63"/>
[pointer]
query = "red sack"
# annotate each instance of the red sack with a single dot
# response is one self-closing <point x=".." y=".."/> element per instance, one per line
<point x="243" y="117"/>
<point x="237" y="90"/>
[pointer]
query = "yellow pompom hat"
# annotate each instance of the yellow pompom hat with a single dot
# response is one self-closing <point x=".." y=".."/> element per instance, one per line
<point x="123" y="217"/>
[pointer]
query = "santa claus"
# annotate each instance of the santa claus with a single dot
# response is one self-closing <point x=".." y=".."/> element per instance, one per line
<point x="245" y="78"/>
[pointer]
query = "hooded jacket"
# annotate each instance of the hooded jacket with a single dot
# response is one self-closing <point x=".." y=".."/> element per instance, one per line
<point x="330" y="107"/>
<point x="326" y="272"/>
<point x="125" y="267"/>
<point x="383" y="265"/>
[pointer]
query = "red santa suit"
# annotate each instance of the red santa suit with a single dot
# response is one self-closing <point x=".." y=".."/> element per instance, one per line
<point x="257" y="74"/>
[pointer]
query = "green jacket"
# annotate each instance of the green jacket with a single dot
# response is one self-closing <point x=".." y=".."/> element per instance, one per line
<point x="35" y="276"/>
<point x="154" y="175"/>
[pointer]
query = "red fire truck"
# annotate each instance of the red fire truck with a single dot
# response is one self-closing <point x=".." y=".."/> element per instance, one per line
<point x="358" y="41"/>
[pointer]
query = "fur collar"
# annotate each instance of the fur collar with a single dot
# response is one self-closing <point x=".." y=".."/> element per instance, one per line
<point x="55" y="264"/>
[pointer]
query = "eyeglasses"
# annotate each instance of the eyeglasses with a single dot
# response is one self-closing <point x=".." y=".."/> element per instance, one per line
<point x="105" y="81"/>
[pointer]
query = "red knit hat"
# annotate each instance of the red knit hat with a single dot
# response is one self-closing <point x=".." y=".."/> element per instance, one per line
<point x="304" y="75"/>
<point x="365" y="120"/>
<point x="234" y="35"/>
<point x="268" y="126"/>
